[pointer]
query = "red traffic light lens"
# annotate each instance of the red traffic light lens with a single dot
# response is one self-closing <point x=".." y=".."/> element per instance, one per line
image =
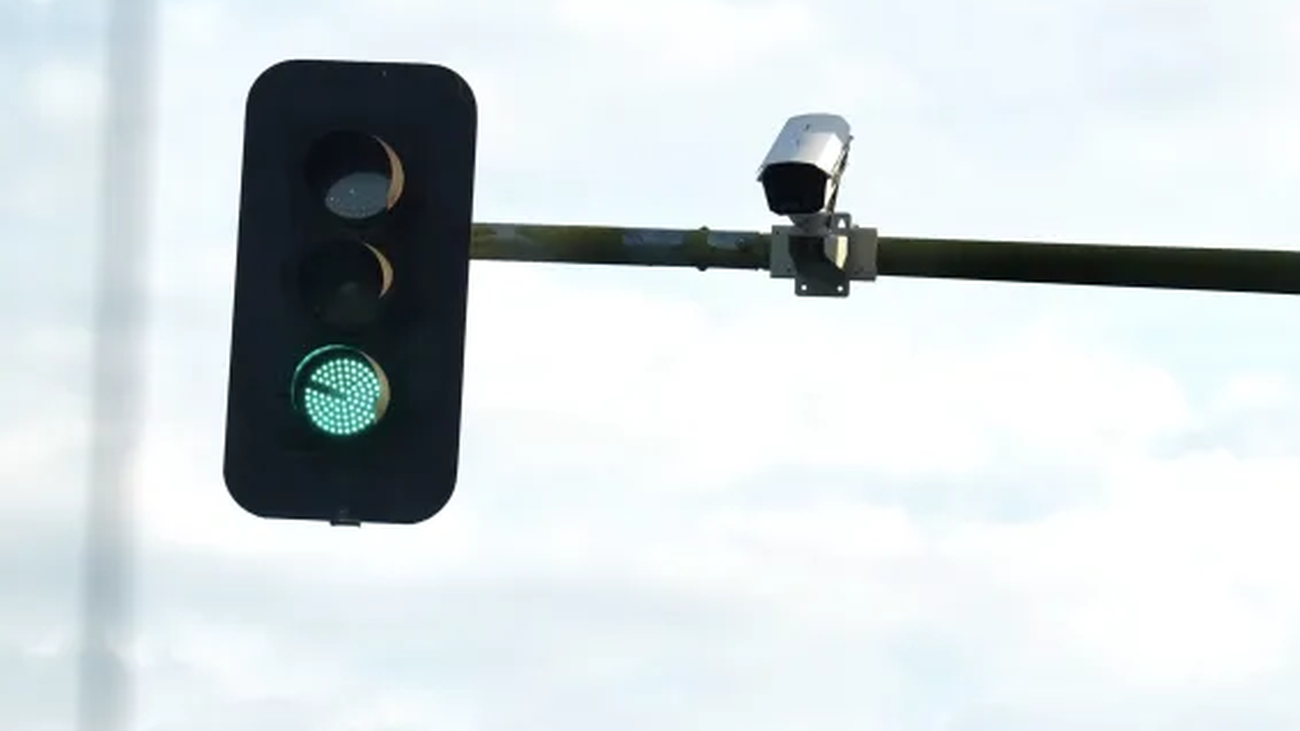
<point x="356" y="176"/>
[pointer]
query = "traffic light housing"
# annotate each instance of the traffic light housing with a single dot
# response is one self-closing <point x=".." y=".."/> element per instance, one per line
<point x="348" y="331"/>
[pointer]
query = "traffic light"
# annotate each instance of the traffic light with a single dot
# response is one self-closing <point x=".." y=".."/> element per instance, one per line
<point x="348" y="334"/>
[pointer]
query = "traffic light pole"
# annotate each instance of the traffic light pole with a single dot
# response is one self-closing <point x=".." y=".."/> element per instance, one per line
<point x="1157" y="267"/>
<point x="103" y="700"/>
<point x="701" y="248"/>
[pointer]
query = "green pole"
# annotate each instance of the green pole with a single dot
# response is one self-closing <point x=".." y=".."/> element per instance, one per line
<point x="1109" y="265"/>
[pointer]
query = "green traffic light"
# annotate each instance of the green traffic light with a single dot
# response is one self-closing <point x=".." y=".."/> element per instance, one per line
<point x="340" y="390"/>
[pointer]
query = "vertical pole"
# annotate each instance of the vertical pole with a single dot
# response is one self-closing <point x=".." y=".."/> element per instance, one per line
<point x="104" y="691"/>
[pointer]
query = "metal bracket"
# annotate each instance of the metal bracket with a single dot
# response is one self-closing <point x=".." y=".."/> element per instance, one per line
<point x="823" y="257"/>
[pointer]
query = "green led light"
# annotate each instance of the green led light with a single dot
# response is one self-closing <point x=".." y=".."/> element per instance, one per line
<point x="340" y="390"/>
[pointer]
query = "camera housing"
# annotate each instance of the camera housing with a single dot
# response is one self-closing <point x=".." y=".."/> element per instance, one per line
<point x="802" y="171"/>
<point x="823" y="251"/>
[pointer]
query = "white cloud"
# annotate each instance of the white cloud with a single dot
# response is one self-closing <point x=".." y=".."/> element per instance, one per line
<point x="1255" y="392"/>
<point x="688" y="43"/>
<point x="66" y="94"/>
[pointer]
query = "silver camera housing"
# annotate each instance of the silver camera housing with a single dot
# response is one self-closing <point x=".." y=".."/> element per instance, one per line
<point x="801" y="173"/>
<point x="823" y="251"/>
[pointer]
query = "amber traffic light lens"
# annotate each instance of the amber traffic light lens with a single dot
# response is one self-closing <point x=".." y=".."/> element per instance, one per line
<point x="344" y="283"/>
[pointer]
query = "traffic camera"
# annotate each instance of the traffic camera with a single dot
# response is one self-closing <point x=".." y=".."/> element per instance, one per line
<point x="801" y="173"/>
<point x="801" y="177"/>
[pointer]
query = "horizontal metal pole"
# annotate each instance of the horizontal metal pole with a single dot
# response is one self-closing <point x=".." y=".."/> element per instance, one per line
<point x="1158" y="267"/>
<point x="699" y="248"/>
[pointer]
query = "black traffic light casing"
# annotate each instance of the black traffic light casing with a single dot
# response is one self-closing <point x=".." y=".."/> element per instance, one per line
<point x="392" y="286"/>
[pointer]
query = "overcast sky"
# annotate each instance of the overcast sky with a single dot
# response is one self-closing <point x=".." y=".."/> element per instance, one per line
<point x="692" y="501"/>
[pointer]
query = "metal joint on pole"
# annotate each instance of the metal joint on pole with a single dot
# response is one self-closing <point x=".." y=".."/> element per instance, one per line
<point x="824" y="255"/>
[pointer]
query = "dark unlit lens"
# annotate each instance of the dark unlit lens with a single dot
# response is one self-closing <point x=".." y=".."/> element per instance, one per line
<point x="344" y="282"/>
<point x="355" y="176"/>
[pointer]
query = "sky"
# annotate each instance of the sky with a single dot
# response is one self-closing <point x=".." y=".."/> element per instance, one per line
<point x="691" y="500"/>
